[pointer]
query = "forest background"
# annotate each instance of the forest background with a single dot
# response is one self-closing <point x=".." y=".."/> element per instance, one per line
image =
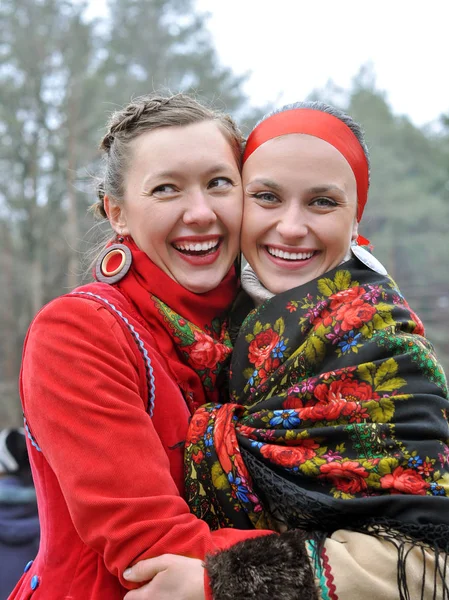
<point x="62" y="74"/>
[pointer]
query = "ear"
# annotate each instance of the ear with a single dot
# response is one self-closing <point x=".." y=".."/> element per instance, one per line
<point x="116" y="215"/>
<point x="355" y="230"/>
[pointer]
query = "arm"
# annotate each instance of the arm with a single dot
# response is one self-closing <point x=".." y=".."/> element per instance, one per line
<point x="261" y="569"/>
<point x="81" y="397"/>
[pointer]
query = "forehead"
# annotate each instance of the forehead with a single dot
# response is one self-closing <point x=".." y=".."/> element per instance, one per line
<point x="172" y="146"/>
<point x="298" y="156"/>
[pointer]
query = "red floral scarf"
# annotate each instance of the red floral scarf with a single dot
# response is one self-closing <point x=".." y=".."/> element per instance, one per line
<point x="189" y="329"/>
<point x="339" y="417"/>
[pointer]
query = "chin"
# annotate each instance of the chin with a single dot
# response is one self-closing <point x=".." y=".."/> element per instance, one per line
<point x="278" y="287"/>
<point x="274" y="288"/>
<point x="202" y="287"/>
<point x="204" y="280"/>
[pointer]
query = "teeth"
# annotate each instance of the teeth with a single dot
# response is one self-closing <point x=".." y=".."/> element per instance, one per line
<point x="196" y="247"/>
<point x="289" y="255"/>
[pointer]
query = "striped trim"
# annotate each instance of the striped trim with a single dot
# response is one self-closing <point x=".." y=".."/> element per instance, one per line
<point x="140" y="345"/>
<point x="329" y="576"/>
<point x="323" y="574"/>
<point x="30" y="437"/>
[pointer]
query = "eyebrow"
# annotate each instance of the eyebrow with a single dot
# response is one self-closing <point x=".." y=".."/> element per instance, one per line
<point x="267" y="183"/>
<point x="322" y="189"/>
<point x="220" y="168"/>
<point x="319" y="189"/>
<point x="160" y="174"/>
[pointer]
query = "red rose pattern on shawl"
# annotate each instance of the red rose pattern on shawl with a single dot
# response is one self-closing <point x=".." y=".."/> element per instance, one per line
<point x="357" y="400"/>
<point x="348" y="477"/>
<point x="405" y="481"/>
<point x="205" y="352"/>
<point x="261" y="347"/>
<point x="290" y="456"/>
<point x="208" y="352"/>
<point x="198" y="425"/>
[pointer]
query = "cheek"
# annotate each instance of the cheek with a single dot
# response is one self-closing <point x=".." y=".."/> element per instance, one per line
<point x="343" y="229"/>
<point x="160" y="215"/>
<point x="335" y="238"/>
<point x="237" y="214"/>
<point x="248" y="228"/>
<point x="232" y="221"/>
<point x="249" y="242"/>
<point x="253" y="216"/>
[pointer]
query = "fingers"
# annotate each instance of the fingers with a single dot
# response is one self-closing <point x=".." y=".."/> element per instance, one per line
<point x="143" y="593"/>
<point x="145" y="570"/>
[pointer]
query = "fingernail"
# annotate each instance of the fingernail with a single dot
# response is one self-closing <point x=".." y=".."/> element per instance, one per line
<point x="127" y="573"/>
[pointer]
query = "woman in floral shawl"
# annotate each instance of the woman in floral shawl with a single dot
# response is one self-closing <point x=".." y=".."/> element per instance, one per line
<point x="337" y="430"/>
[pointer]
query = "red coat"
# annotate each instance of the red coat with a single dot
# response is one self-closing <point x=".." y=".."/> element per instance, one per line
<point x="109" y="478"/>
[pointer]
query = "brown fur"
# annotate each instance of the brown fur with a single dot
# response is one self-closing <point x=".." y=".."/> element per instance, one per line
<point x="271" y="567"/>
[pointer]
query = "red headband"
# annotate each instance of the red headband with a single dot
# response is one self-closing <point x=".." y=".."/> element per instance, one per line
<point x="321" y="125"/>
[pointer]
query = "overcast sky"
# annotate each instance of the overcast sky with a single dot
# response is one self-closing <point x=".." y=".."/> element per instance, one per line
<point x="295" y="46"/>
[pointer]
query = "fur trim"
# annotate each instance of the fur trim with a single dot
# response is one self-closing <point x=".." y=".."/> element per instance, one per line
<point x="263" y="568"/>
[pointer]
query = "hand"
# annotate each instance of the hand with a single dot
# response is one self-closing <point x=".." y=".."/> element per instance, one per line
<point x="170" y="577"/>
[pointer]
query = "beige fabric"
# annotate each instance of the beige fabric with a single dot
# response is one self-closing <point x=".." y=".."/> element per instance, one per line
<point x="365" y="567"/>
<point x="253" y="287"/>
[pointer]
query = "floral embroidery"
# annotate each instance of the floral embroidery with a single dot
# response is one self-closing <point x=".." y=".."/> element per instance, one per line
<point x="329" y="393"/>
<point x="407" y="481"/>
<point x="208" y="352"/>
<point x="267" y="348"/>
<point x="262" y="346"/>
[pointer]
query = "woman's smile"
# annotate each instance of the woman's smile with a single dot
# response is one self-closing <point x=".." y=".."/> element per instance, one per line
<point x="292" y="258"/>
<point x="200" y="250"/>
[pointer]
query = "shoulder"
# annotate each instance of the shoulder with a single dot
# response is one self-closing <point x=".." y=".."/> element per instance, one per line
<point x="95" y="299"/>
<point x="92" y="320"/>
<point x="89" y="313"/>
<point x="73" y="311"/>
<point x="78" y="341"/>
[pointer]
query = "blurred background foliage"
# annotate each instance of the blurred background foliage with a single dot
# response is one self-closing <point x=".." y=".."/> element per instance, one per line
<point x="62" y="74"/>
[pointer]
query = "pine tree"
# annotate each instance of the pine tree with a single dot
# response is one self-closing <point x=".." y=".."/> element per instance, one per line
<point x="60" y="76"/>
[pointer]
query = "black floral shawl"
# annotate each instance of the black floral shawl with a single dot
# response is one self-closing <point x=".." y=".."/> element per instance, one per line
<point x="338" y="417"/>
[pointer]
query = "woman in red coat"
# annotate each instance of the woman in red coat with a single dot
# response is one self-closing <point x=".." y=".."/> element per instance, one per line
<point x="113" y="370"/>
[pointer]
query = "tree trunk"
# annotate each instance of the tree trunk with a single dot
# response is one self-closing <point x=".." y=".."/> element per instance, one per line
<point x="72" y="213"/>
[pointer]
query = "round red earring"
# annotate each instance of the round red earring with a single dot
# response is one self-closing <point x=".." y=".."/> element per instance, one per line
<point x="113" y="263"/>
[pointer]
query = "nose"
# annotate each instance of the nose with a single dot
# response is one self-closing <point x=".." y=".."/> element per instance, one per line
<point x="200" y="210"/>
<point x="292" y="224"/>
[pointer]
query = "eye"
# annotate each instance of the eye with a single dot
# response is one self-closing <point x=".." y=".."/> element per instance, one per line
<point x="163" y="189"/>
<point x="219" y="183"/>
<point x="265" y="197"/>
<point x="324" y="202"/>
